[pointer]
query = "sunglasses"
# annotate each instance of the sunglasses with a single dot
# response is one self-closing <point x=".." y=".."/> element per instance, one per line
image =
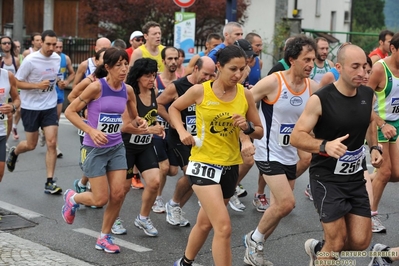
<point x="5" y="43"/>
<point x="139" y="39"/>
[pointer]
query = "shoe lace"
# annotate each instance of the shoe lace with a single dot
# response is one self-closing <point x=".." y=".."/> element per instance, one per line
<point x="376" y="221"/>
<point x="176" y="212"/>
<point x="160" y="203"/>
<point x="149" y="223"/>
<point x="109" y="239"/>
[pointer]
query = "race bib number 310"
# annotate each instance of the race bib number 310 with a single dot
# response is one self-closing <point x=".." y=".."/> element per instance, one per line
<point x="350" y="162"/>
<point x="109" y="123"/>
<point x="206" y="171"/>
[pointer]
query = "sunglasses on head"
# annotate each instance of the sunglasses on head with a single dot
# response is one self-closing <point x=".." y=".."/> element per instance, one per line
<point x="139" y="39"/>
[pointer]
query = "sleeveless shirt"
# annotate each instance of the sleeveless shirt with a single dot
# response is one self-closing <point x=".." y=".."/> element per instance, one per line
<point x="158" y="58"/>
<point x="318" y="72"/>
<point x="5" y="88"/>
<point x="278" y="118"/>
<point x="105" y="114"/>
<point x="220" y="139"/>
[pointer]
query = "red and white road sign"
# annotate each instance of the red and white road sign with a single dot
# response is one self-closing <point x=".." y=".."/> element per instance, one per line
<point x="184" y="3"/>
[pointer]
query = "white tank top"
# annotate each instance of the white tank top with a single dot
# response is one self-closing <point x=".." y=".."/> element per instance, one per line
<point x="91" y="67"/>
<point x="318" y="72"/>
<point x="278" y="119"/>
<point x="4" y="95"/>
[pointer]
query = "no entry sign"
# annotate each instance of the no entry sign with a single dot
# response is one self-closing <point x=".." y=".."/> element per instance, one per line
<point x="184" y="3"/>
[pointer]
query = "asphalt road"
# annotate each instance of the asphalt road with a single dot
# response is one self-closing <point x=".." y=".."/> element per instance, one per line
<point x="24" y="189"/>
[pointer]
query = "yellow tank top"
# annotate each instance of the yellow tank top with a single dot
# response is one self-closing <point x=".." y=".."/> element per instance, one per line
<point x="220" y="139"/>
<point x="158" y="58"/>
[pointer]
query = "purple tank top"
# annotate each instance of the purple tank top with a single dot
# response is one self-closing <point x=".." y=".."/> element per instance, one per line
<point x="105" y="114"/>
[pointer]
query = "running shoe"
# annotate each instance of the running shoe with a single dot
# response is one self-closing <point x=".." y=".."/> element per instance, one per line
<point x="254" y="252"/>
<point x="15" y="133"/>
<point x="146" y="225"/>
<point x="12" y="159"/>
<point x="310" y="245"/>
<point x="178" y="262"/>
<point x="376" y="260"/>
<point x="260" y="203"/>
<point x="136" y="183"/>
<point x="376" y="225"/>
<point x="236" y="204"/>
<point x="183" y="221"/>
<point x="59" y="153"/>
<point x="117" y="227"/>
<point x="159" y="206"/>
<point x="308" y="192"/>
<point x="106" y="243"/>
<point x="173" y="214"/>
<point x="42" y="138"/>
<point x="240" y="190"/>
<point x="78" y="188"/>
<point x="69" y="209"/>
<point x="52" y="188"/>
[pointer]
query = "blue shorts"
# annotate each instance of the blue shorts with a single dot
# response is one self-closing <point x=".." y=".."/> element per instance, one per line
<point x="99" y="161"/>
<point x="32" y="119"/>
<point x="60" y="95"/>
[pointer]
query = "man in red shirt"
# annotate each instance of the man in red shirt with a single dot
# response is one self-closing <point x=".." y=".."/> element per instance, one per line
<point x="136" y="39"/>
<point x="382" y="50"/>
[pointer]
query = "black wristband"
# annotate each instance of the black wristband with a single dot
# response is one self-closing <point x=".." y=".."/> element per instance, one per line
<point x="378" y="148"/>
<point x="250" y="129"/>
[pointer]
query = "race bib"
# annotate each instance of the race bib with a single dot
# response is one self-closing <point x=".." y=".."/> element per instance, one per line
<point x="109" y="123"/>
<point x="81" y="132"/>
<point x="394" y="105"/>
<point x="3" y="117"/>
<point x="141" y="139"/>
<point x="285" y="134"/>
<point x="53" y="81"/>
<point x="191" y="126"/>
<point x="350" y="162"/>
<point x="204" y="170"/>
<point x="162" y="122"/>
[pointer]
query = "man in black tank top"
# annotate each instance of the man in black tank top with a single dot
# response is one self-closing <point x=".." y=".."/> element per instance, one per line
<point x="340" y="116"/>
<point x="204" y="70"/>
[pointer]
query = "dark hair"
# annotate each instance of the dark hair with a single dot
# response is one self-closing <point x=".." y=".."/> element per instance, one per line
<point x="119" y="43"/>
<point x="211" y="36"/>
<point x="369" y="62"/>
<point x="148" y="25"/>
<point x="295" y="46"/>
<point x="12" y="45"/>
<point x="199" y="63"/>
<point x="111" y="57"/>
<point x="395" y="41"/>
<point x="223" y="56"/>
<point x="318" y="39"/>
<point x="250" y="37"/>
<point x="163" y="52"/>
<point x="49" y="33"/>
<point x="181" y="52"/>
<point x="98" y="53"/>
<point x="33" y="35"/>
<point x="141" y="67"/>
<point x="383" y="34"/>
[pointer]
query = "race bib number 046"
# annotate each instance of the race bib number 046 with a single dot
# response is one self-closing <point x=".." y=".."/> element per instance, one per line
<point x="206" y="171"/>
<point x="141" y="139"/>
<point x="109" y="123"/>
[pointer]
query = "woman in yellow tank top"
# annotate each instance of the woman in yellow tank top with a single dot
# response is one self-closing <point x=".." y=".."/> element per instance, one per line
<point x="224" y="110"/>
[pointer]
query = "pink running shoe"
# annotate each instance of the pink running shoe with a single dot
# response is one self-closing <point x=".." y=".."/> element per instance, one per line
<point x="69" y="209"/>
<point x="105" y="243"/>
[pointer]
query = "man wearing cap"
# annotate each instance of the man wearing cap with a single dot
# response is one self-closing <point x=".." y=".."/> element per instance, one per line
<point x="283" y="96"/>
<point x="136" y="39"/>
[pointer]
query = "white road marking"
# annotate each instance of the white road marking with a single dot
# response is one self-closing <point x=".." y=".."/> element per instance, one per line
<point x="20" y="211"/>
<point x="117" y="241"/>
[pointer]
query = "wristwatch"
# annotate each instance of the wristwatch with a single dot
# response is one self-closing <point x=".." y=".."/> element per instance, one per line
<point x="14" y="109"/>
<point x="250" y="129"/>
<point x="378" y="148"/>
<point x="322" y="149"/>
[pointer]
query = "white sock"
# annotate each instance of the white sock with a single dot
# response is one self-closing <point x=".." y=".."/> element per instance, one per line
<point x="173" y="204"/>
<point x="102" y="235"/>
<point x="72" y="199"/>
<point x="14" y="125"/>
<point x="258" y="236"/>
<point x="143" y="218"/>
<point x="80" y="183"/>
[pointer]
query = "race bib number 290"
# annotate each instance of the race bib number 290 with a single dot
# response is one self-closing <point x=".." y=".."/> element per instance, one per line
<point x="204" y="170"/>
<point x="109" y="123"/>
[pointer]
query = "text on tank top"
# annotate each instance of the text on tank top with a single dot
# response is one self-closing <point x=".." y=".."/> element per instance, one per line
<point x="387" y="104"/>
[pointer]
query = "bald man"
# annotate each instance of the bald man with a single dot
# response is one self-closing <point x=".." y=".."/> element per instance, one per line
<point x="88" y="66"/>
<point x="336" y="173"/>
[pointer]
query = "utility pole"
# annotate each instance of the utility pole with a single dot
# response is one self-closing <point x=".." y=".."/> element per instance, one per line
<point x="18" y="21"/>
<point x="231" y="10"/>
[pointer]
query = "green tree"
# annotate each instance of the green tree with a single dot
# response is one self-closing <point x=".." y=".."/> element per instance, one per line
<point x="118" y="18"/>
<point x="368" y="14"/>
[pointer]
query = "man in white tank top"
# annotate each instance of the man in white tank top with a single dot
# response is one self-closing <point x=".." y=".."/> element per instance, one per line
<point x="283" y="96"/>
<point x="36" y="41"/>
<point x="321" y="65"/>
<point x="37" y="78"/>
